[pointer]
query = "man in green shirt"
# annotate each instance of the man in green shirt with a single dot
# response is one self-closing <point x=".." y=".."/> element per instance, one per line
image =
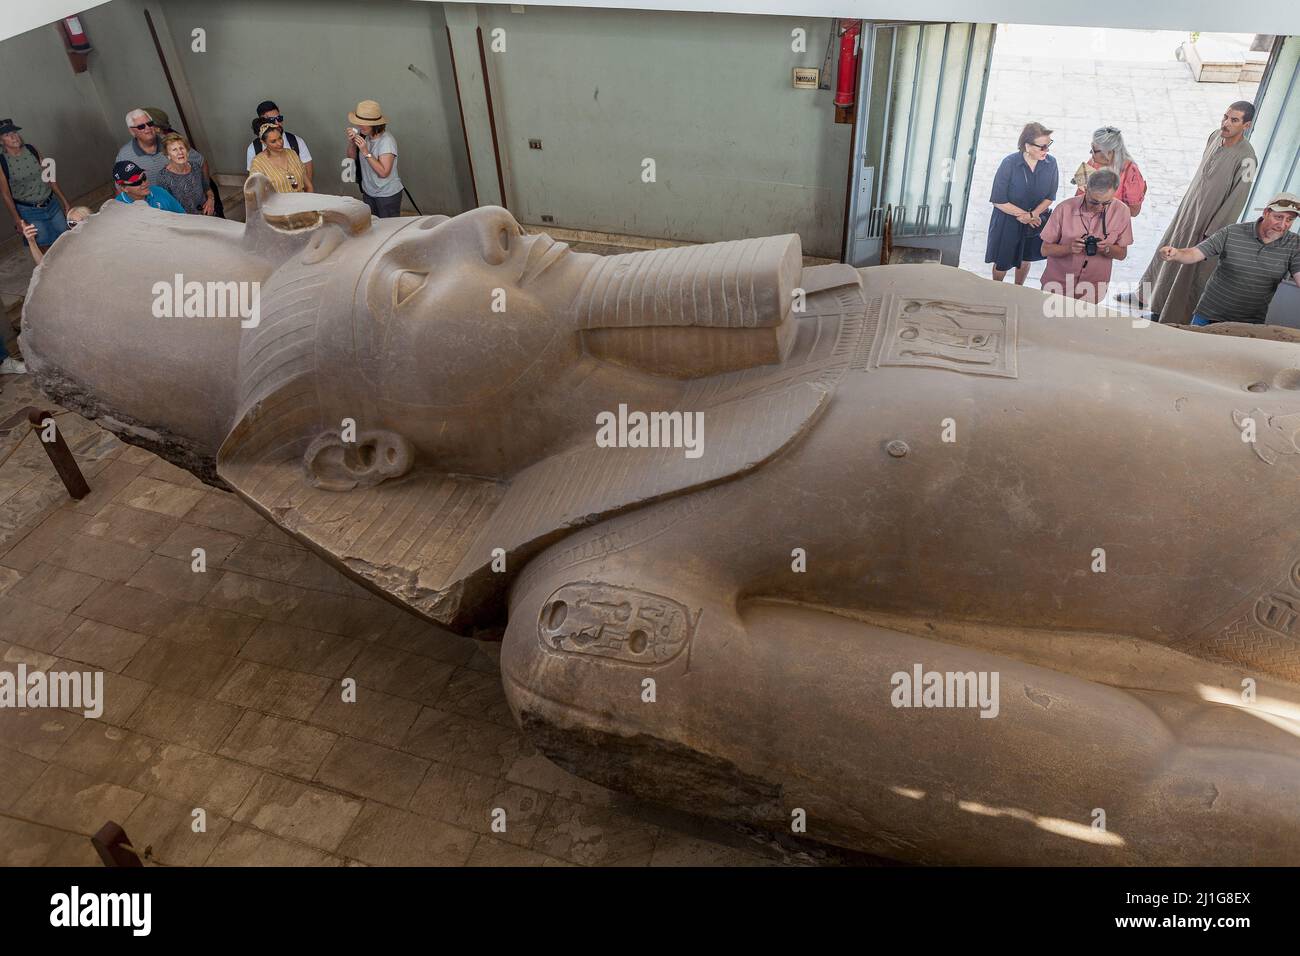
<point x="28" y="195"/>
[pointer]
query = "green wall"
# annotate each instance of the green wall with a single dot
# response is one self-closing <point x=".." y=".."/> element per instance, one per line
<point x="738" y="151"/>
<point x="58" y="111"/>
<point x="317" y="59"/>
<point x="125" y="67"/>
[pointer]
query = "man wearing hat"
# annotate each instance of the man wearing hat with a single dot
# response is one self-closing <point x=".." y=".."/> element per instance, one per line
<point x="1254" y="258"/>
<point x="375" y="151"/>
<point x="28" y="196"/>
<point x="133" y="185"/>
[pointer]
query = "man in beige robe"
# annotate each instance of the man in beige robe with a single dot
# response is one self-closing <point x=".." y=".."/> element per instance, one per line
<point x="1214" y="199"/>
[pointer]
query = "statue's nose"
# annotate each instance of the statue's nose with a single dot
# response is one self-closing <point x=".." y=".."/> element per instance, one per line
<point x="496" y="233"/>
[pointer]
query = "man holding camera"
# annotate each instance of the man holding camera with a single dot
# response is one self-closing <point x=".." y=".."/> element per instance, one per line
<point x="1254" y="259"/>
<point x="1084" y="237"/>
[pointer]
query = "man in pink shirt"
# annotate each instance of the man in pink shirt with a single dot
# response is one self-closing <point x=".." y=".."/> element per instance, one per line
<point x="1084" y="237"/>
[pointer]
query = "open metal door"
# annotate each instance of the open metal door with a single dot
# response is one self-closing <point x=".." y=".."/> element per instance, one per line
<point x="920" y="97"/>
<point x="1275" y="134"/>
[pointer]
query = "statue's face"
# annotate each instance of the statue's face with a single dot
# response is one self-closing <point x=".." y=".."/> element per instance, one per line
<point x="457" y="311"/>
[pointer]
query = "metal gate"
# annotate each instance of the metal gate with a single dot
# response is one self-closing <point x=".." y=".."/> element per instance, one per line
<point x="921" y="93"/>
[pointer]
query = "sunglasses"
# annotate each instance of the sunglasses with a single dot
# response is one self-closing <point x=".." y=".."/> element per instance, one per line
<point x="1285" y="204"/>
<point x="143" y="125"/>
<point x="273" y="119"/>
<point x="1043" y="146"/>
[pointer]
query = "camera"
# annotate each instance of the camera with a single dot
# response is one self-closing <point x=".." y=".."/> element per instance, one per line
<point x="1090" y="245"/>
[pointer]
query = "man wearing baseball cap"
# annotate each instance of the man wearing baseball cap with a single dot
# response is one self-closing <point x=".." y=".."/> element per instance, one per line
<point x="1254" y="258"/>
<point x="133" y="185"/>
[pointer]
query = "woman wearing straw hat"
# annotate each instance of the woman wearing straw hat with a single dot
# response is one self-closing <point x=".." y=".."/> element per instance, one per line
<point x="370" y="142"/>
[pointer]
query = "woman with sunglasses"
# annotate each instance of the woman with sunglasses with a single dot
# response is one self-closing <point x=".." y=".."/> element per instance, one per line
<point x="1023" y="191"/>
<point x="279" y="163"/>
<point x="1108" y="152"/>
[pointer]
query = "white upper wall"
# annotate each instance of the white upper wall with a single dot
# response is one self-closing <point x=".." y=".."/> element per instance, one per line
<point x="23" y="15"/>
<point x="1254" y="16"/>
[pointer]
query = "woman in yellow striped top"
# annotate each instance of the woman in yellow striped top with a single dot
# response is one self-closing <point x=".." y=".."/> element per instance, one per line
<point x="280" y="164"/>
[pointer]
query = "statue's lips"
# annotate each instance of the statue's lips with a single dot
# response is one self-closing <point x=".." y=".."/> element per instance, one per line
<point x="543" y="252"/>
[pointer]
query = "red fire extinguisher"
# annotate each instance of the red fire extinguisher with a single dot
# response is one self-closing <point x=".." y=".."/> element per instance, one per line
<point x="78" y="42"/>
<point x="848" y="73"/>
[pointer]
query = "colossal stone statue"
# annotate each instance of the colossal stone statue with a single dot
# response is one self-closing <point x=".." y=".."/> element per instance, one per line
<point x="888" y="551"/>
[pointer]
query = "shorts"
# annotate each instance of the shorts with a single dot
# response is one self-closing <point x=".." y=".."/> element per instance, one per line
<point x="48" y="220"/>
<point x="385" y="207"/>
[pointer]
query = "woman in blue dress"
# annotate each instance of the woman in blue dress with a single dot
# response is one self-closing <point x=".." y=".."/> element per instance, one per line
<point x="1023" y="191"/>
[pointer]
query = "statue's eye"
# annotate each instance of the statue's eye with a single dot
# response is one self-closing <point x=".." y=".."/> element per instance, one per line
<point x="407" y="284"/>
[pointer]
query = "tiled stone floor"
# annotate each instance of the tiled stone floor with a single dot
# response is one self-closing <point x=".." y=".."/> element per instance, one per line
<point x="1083" y="84"/>
<point x="223" y="692"/>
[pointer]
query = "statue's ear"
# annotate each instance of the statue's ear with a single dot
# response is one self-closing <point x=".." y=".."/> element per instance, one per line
<point x="280" y="225"/>
<point x="335" y="465"/>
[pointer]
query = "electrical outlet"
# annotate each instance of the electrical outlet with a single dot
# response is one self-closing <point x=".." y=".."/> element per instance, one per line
<point x="534" y="144"/>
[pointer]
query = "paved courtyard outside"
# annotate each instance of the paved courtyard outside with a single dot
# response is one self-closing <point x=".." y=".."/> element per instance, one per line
<point x="1076" y="79"/>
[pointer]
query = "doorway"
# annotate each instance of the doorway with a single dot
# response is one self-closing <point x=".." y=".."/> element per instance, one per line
<point x="1076" y="79"/>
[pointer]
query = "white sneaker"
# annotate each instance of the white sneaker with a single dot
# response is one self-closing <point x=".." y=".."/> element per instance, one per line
<point x="11" y="366"/>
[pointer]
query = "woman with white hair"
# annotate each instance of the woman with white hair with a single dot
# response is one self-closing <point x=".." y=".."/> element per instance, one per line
<point x="1108" y="152"/>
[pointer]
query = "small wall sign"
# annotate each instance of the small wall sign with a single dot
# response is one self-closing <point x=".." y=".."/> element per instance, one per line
<point x="805" y="78"/>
